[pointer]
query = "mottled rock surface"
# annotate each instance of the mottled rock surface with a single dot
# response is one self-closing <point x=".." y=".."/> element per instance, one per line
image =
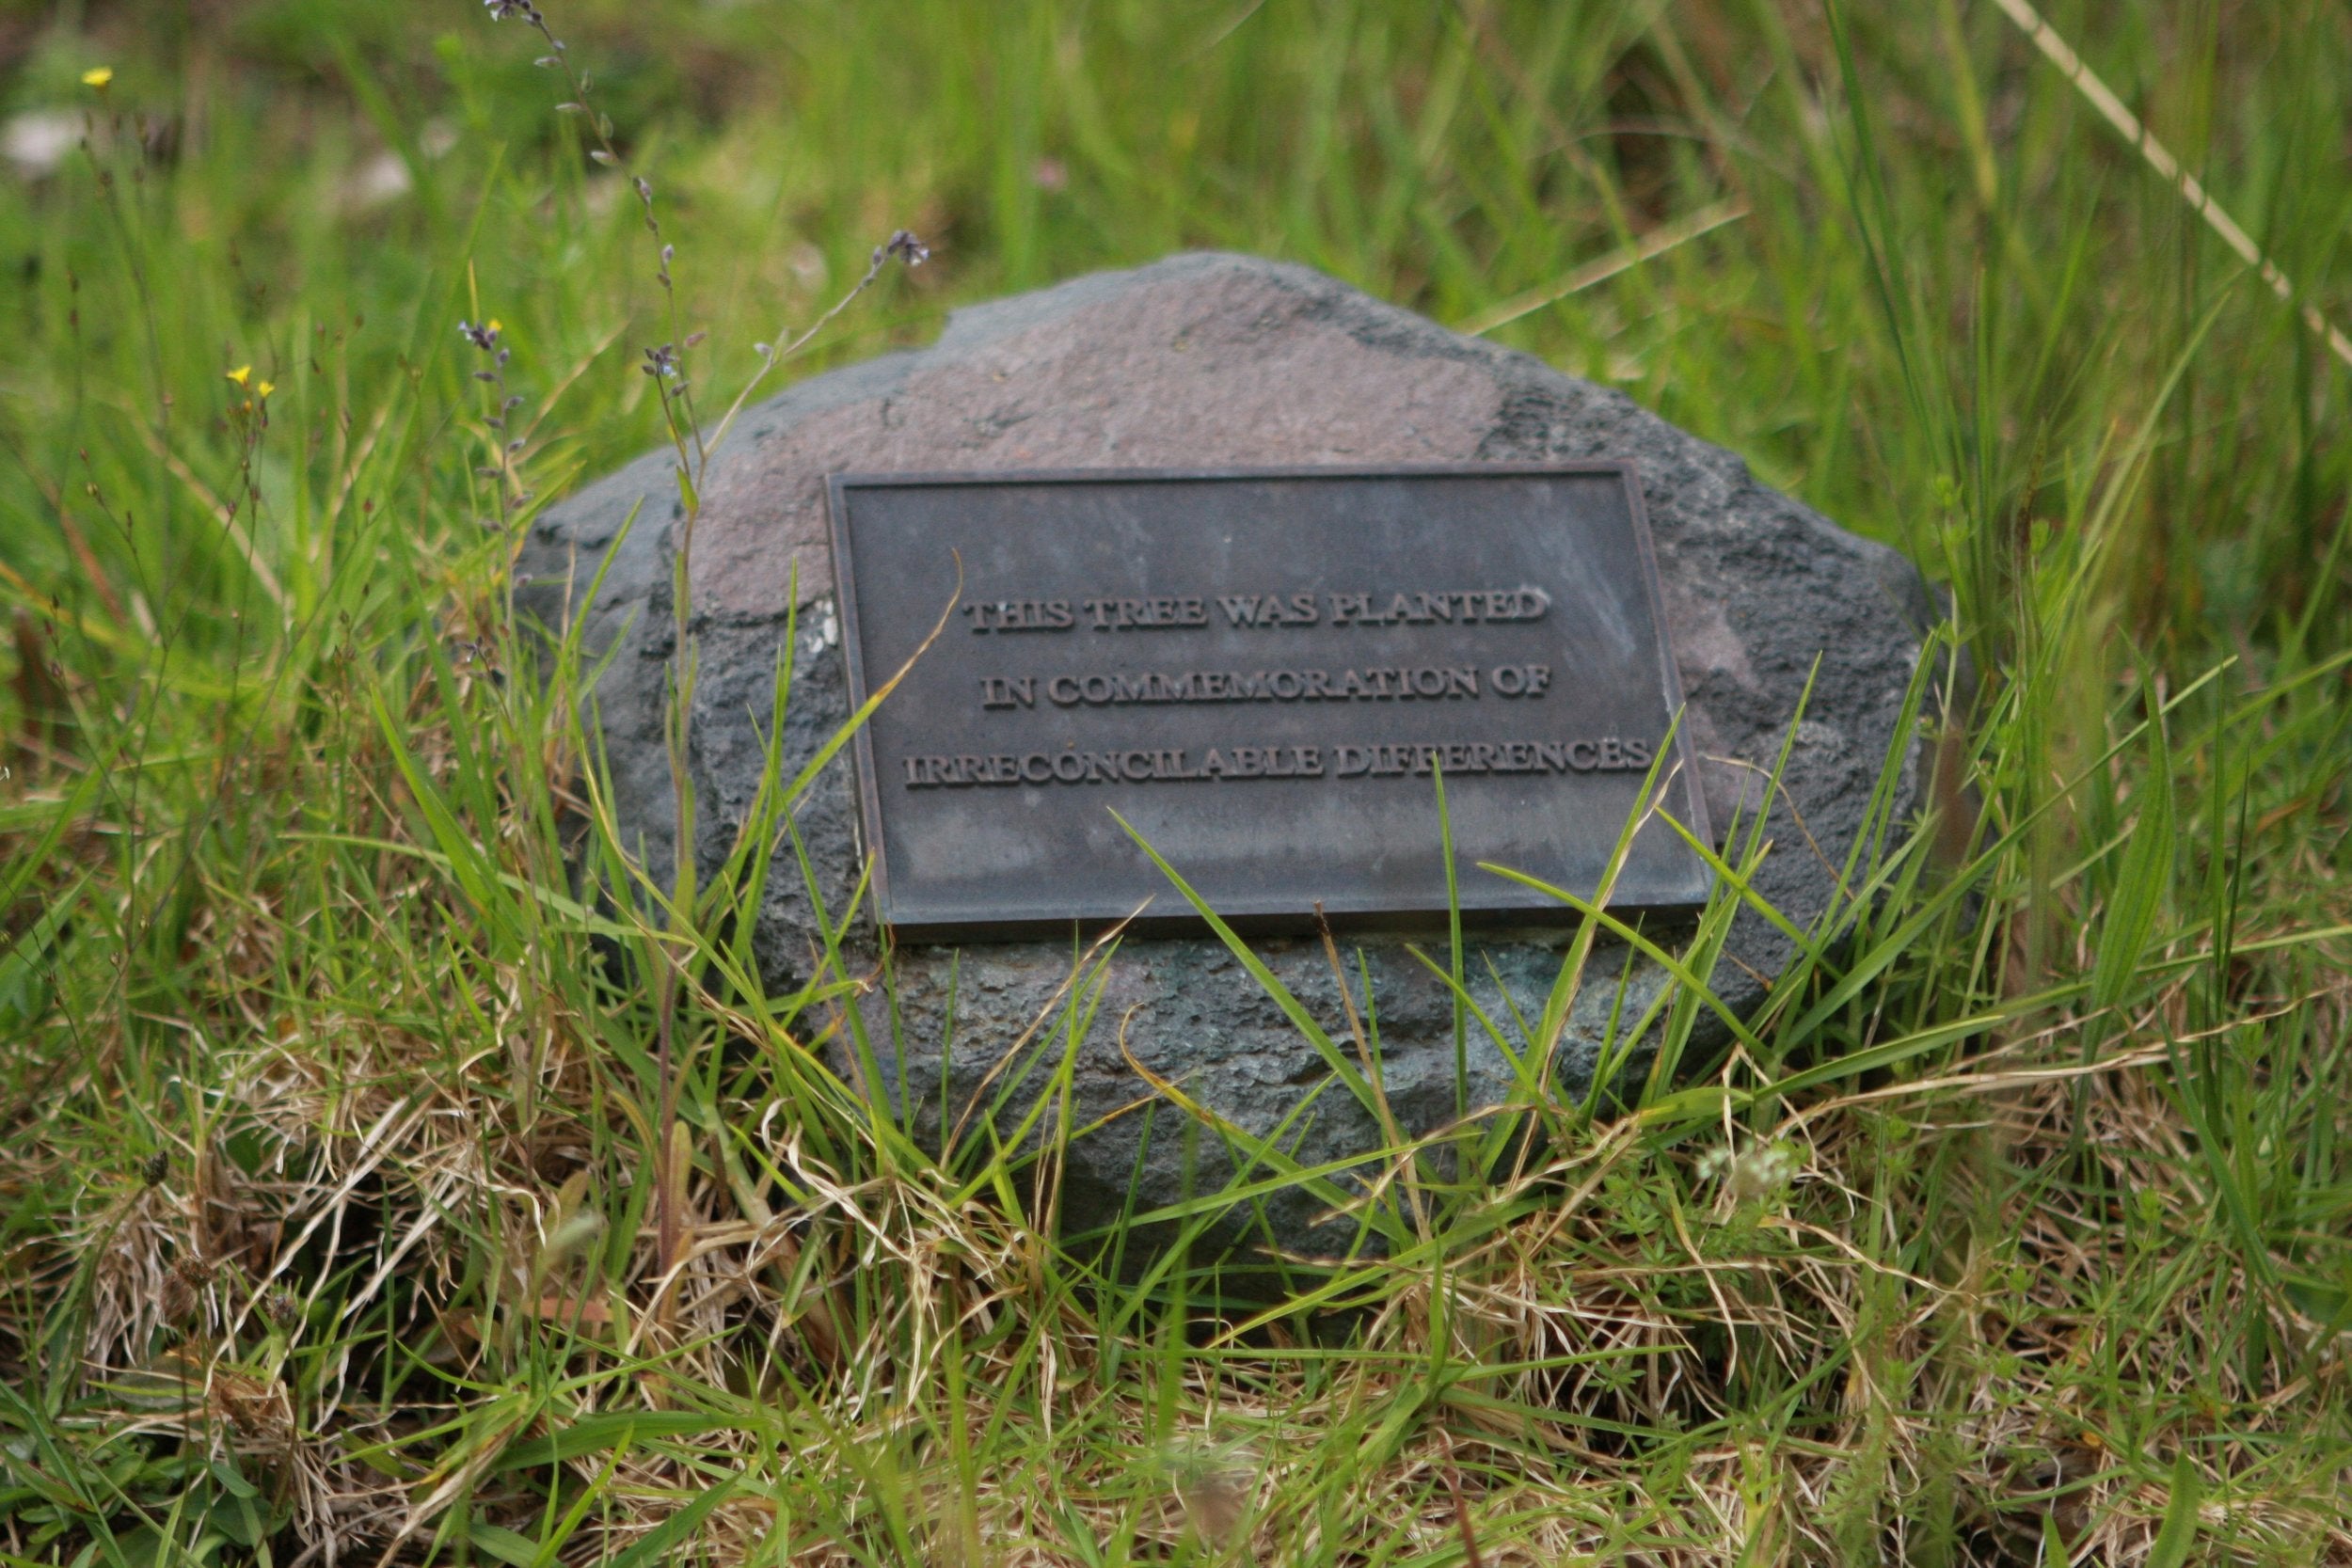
<point x="1198" y="361"/>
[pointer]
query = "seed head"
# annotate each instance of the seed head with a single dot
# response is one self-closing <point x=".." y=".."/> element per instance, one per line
<point x="905" y="247"/>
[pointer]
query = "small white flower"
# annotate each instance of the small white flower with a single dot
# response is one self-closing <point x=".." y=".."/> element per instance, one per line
<point x="1757" y="1171"/>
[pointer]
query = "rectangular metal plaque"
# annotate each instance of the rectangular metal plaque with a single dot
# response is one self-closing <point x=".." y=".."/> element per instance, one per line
<point x="1258" y="670"/>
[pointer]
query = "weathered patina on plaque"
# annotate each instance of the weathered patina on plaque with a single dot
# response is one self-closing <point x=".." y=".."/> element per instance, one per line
<point x="1260" y="670"/>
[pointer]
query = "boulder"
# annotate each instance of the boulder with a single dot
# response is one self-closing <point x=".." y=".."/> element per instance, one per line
<point x="1198" y="361"/>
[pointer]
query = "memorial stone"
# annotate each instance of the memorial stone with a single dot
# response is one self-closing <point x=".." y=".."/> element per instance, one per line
<point x="1250" y="559"/>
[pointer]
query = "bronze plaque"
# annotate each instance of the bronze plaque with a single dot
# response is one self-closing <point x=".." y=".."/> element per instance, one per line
<point x="1259" y="670"/>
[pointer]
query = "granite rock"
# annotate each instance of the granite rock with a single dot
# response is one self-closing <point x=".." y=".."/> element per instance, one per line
<point x="1196" y="361"/>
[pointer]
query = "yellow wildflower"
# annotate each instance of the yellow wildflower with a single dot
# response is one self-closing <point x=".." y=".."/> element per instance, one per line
<point x="263" y="388"/>
<point x="493" y="324"/>
<point x="97" y="77"/>
<point x="242" y="375"/>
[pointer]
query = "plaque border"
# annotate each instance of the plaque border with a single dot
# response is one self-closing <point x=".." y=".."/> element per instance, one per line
<point x="1015" y="929"/>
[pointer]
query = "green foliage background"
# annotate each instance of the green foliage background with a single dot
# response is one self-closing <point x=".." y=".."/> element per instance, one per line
<point x="2024" y="1231"/>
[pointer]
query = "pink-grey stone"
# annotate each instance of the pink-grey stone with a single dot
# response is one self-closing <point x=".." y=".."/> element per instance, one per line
<point x="1204" y="362"/>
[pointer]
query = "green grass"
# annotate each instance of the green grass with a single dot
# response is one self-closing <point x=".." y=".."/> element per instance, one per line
<point x="2019" y="1230"/>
